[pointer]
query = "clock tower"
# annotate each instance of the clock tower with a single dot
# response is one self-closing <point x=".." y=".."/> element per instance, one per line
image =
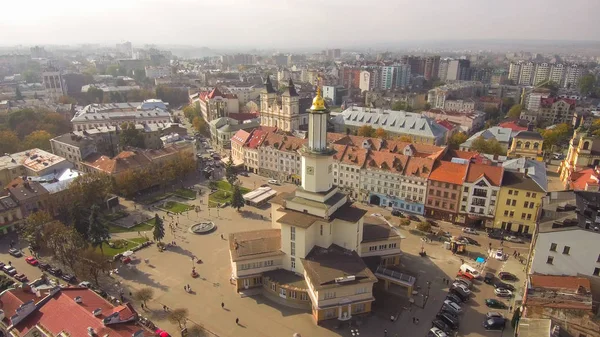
<point x="317" y="157"/>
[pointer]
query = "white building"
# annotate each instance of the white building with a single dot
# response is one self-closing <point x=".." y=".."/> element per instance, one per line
<point x="366" y="83"/>
<point x="54" y="84"/>
<point x="542" y="73"/>
<point x="245" y="94"/>
<point x="514" y="71"/>
<point x="387" y="77"/>
<point x="284" y="112"/>
<point x="527" y="73"/>
<point x="480" y="194"/>
<point x="157" y="72"/>
<point x="151" y="111"/>
<point x="572" y="76"/>
<point x="557" y="73"/>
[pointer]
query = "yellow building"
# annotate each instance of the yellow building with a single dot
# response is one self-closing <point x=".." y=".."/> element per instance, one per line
<point x="527" y="144"/>
<point x="520" y="198"/>
<point x="583" y="152"/>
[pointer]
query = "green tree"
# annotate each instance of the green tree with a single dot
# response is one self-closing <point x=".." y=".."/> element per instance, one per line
<point x="491" y="146"/>
<point x="9" y="142"/>
<point x="587" y="84"/>
<point x="95" y="95"/>
<point x="112" y="69"/>
<point x="457" y="139"/>
<point x="515" y="111"/>
<point x="237" y="199"/>
<point x="159" y="228"/>
<point x="366" y="131"/>
<point x="507" y="103"/>
<point x="38" y="139"/>
<point x="399" y="106"/>
<point x="144" y="295"/>
<point x="18" y="94"/>
<point x="424" y="227"/>
<point x="98" y="232"/>
<point x="130" y="136"/>
<point x="230" y="173"/>
<point x="33" y="230"/>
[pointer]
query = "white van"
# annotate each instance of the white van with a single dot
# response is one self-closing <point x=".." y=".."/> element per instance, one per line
<point x="465" y="268"/>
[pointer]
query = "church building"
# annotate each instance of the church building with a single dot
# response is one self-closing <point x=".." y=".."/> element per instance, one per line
<point x="282" y="112"/>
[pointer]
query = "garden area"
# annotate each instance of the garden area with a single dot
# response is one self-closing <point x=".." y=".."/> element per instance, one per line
<point x="141" y="227"/>
<point x="119" y="214"/>
<point x="175" y="207"/>
<point x="119" y="246"/>
<point x="185" y="193"/>
<point x="223" y="193"/>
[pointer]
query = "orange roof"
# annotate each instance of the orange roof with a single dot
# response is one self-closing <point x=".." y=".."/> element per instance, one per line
<point x="559" y="282"/>
<point x="492" y="173"/>
<point x="580" y="179"/>
<point x="448" y="172"/>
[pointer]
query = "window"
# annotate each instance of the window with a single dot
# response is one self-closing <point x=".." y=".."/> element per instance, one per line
<point x="361" y="290"/>
<point x="293" y="249"/>
<point x="509" y="192"/>
<point x="466" y="189"/>
<point x="508" y="202"/>
<point x="293" y="294"/>
<point x="321" y="230"/>
<point x="293" y="262"/>
<point x="511" y="214"/>
<point x="330" y="295"/>
<point x="514" y="202"/>
<point x="293" y="233"/>
<point x="528" y="194"/>
<point x="282" y="292"/>
<point x="357" y="308"/>
<point x="553" y="248"/>
<point x="533" y="195"/>
<point x="528" y="216"/>
<point x="566" y="250"/>
<point x="268" y="263"/>
<point x="523" y="215"/>
<point x="596" y="271"/>
<point x="516" y="193"/>
<point x="526" y="204"/>
<point x="303" y="296"/>
<point x="550" y="260"/>
<point x="531" y="205"/>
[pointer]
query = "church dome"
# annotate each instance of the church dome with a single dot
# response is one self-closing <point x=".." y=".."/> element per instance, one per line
<point x="318" y="103"/>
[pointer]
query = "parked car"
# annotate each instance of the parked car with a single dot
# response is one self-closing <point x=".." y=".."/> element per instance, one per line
<point x="470" y="241"/>
<point x="85" y="284"/>
<point x="494" y="303"/>
<point x="432" y="223"/>
<point x="2" y="265"/>
<point x="501" y="292"/>
<point x="21" y="277"/>
<point x="32" y="261"/>
<point x="413" y="218"/>
<point x="396" y="212"/>
<point x="505" y="276"/>
<point x="493" y="314"/>
<point x="273" y="182"/>
<point x="435" y="332"/>
<point x="450" y="320"/>
<point x="15" y="252"/>
<point x="55" y="271"/>
<point x="454" y="298"/>
<point x="44" y="266"/>
<point x="495" y="235"/>
<point x="438" y="323"/>
<point x="512" y="238"/>
<point x="489" y="278"/>
<point x="10" y="270"/>
<point x="461" y="287"/>
<point x="500" y="284"/>
<point x="454" y="307"/>
<point x="469" y="230"/>
<point x="69" y="278"/>
<point x="469" y="269"/>
<point x="499" y="255"/>
<point x="463" y="297"/>
<point x="244" y="174"/>
<point x="464" y="281"/>
<point x="100" y="292"/>
<point x="466" y="275"/>
<point x="494" y="323"/>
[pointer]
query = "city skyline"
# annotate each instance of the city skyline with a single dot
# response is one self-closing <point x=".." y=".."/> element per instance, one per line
<point x="273" y="24"/>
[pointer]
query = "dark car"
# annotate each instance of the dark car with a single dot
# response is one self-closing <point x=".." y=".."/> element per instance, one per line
<point x="413" y="218"/>
<point x="396" y="212"/>
<point x="450" y="320"/>
<point x="499" y="284"/>
<point x="494" y="303"/>
<point x="44" y="266"/>
<point x="507" y="276"/>
<point x="438" y="323"/>
<point x="433" y="223"/>
<point x="495" y="235"/>
<point x="55" y="271"/>
<point x="494" y="323"/>
<point x="489" y="278"/>
<point x="69" y="278"/>
<point x="463" y="297"/>
<point x="244" y="174"/>
<point x="471" y="241"/>
<point x="452" y="297"/>
<point x="100" y="292"/>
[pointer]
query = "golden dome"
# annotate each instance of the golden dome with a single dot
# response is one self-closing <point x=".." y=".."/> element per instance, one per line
<point x="318" y="103"/>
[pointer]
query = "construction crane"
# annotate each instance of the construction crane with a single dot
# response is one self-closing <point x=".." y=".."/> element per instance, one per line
<point x="524" y="90"/>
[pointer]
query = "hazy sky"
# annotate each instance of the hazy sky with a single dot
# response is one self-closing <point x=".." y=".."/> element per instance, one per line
<point x="288" y="23"/>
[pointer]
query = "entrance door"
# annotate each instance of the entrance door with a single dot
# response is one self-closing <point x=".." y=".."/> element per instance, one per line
<point x="246" y="283"/>
<point x="509" y="226"/>
<point x="520" y="229"/>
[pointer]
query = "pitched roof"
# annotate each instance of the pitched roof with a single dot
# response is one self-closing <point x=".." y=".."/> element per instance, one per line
<point x="215" y="93"/>
<point x="290" y="90"/>
<point x="241" y="137"/>
<point x="492" y="173"/>
<point x="255" y="244"/>
<point x="269" y="86"/>
<point x="449" y="172"/>
<point x="529" y="135"/>
<point x="515" y="125"/>
<point x="520" y="181"/>
<point x="579" y="180"/>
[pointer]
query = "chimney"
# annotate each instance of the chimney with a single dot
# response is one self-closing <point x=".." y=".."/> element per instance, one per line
<point x="530" y="127"/>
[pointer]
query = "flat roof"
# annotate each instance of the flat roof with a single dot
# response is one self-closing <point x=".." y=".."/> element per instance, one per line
<point x="375" y="229"/>
<point x="535" y="327"/>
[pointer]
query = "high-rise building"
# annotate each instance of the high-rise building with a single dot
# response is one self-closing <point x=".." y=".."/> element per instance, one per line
<point x="54" y="84"/>
<point x="527" y="73"/>
<point x="572" y="76"/>
<point x="557" y="73"/>
<point x="38" y="52"/>
<point x="514" y="72"/>
<point x="416" y="63"/>
<point x="443" y="70"/>
<point x="387" y="77"/>
<point x="431" y="67"/>
<point x="458" y="70"/>
<point x="402" y="75"/>
<point x="542" y="73"/>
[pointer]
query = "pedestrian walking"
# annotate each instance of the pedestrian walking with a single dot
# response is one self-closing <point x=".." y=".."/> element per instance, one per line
<point x="237" y="321"/>
<point x="413" y="320"/>
<point x="384" y="332"/>
<point x="164" y="307"/>
<point x="510" y="309"/>
<point x="222" y="238"/>
<point x="501" y="242"/>
<point x="417" y="321"/>
<point x="142" y="305"/>
<point x="189" y="288"/>
<point x="222" y="305"/>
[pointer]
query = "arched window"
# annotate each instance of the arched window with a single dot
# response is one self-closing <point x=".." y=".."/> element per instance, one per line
<point x="536" y="145"/>
<point x="527" y="145"/>
<point x="519" y="144"/>
<point x="586" y="145"/>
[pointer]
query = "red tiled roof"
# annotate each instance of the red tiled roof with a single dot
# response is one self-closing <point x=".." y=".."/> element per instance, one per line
<point x="513" y="125"/>
<point x="448" y="172"/>
<point x="492" y="173"/>
<point x="62" y="313"/>
<point x="12" y="300"/>
<point x="446" y="124"/>
<point x="580" y="179"/>
<point x="215" y="93"/>
<point x="551" y="100"/>
<point x="451" y="153"/>
<point x="559" y="282"/>
<point x="256" y="138"/>
<point x="241" y="137"/>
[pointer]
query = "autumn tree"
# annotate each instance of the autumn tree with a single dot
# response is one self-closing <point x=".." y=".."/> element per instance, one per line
<point x="405" y="138"/>
<point x="33" y="230"/>
<point x="366" y="131"/>
<point x="92" y="265"/>
<point x="196" y="331"/>
<point x="237" y="199"/>
<point x="515" y="111"/>
<point x="90" y="189"/>
<point x="159" y="228"/>
<point x="38" y="139"/>
<point x="424" y="227"/>
<point x="179" y="316"/>
<point x="381" y="133"/>
<point x="67" y="244"/>
<point x="200" y="125"/>
<point x="144" y="295"/>
<point x="490" y="146"/>
<point x="457" y="139"/>
<point x="130" y="136"/>
<point x="9" y="142"/>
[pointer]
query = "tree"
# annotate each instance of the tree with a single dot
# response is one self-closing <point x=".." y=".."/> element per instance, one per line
<point x="237" y="200"/>
<point x="404" y="222"/>
<point x="18" y="94"/>
<point x="587" y="84"/>
<point x="381" y="133"/>
<point x="200" y="125"/>
<point x="95" y="95"/>
<point x="424" y="227"/>
<point x="144" y="295"/>
<point x="399" y="106"/>
<point x="196" y="331"/>
<point x="90" y="189"/>
<point x="159" y="228"/>
<point x="38" y="139"/>
<point x="178" y="316"/>
<point x="515" y="111"/>
<point x="491" y="146"/>
<point x="33" y="229"/>
<point x="366" y="131"/>
<point x="230" y="173"/>
<point x="130" y="136"/>
<point x="507" y="103"/>
<point x="407" y="139"/>
<point x="92" y="264"/>
<point x="9" y="142"/>
<point x="112" y="69"/>
<point x="98" y="233"/>
<point x="66" y="100"/>
<point x="67" y="243"/>
<point x="457" y="139"/>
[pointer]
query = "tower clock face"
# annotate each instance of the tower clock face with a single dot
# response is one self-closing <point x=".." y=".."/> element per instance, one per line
<point x="310" y="170"/>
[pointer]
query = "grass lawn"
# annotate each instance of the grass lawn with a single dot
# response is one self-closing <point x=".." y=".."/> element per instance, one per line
<point x="176" y="207"/>
<point x="141" y="227"/>
<point x="185" y="193"/>
<point x="154" y="198"/>
<point x="223" y="194"/>
<point x="121" y="246"/>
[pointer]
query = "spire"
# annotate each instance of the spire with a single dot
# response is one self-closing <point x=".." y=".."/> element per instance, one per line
<point x="269" y="86"/>
<point x="291" y="89"/>
<point x="318" y="103"/>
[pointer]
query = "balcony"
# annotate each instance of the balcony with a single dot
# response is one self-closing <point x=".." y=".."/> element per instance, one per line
<point x="480" y="193"/>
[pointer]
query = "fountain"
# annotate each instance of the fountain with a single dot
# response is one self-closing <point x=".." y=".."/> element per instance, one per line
<point x="203" y="227"/>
